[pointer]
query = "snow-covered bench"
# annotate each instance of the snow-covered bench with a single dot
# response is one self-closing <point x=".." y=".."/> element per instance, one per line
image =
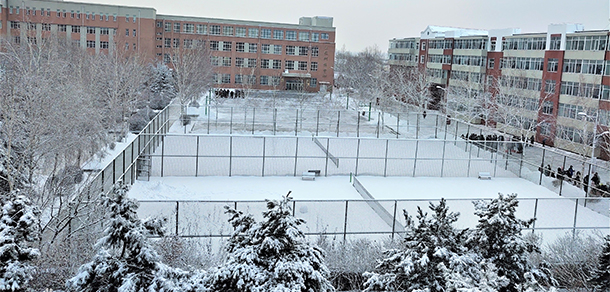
<point x="315" y="171"/>
<point x="309" y="175"/>
<point x="484" y="175"/>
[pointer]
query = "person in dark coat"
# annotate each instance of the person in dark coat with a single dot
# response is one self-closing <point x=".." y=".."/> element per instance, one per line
<point x="585" y="183"/>
<point x="424" y="114"/>
<point x="595" y="179"/>
<point x="560" y="173"/>
<point x="570" y="172"/>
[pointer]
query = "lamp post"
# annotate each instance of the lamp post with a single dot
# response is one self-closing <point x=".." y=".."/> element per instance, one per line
<point x="585" y="117"/>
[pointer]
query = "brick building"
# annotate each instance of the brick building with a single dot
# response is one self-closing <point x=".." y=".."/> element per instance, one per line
<point x="557" y="81"/>
<point x="259" y="55"/>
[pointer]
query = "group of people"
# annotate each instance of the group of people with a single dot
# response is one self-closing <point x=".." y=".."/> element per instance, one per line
<point x="226" y="93"/>
<point x="576" y="179"/>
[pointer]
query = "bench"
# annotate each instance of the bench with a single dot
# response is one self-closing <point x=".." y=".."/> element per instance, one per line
<point x="484" y="175"/>
<point x="316" y="171"/>
<point x="309" y="175"/>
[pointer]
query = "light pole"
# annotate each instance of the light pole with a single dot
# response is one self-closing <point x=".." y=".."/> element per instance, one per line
<point x="586" y="117"/>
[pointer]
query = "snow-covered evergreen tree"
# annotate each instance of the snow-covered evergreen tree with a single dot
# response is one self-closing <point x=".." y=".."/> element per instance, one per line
<point x="161" y="86"/>
<point x="271" y="255"/>
<point x="126" y="261"/>
<point x="498" y="239"/>
<point x="19" y="222"/>
<point x="601" y="275"/>
<point x="423" y="263"/>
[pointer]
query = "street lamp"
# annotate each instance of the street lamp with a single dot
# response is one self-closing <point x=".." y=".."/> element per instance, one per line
<point x="592" y="161"/>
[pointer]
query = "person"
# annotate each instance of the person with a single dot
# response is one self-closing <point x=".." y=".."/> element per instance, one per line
<point x="532" y="140"/>
<point x="585" y="183"/>
<point x="595" y="179"/>
<point x="570" y="172"/>
<point x="547" y="170"/>
<point x="543" y="142"/>
<point x="560" y="173"/>
<point x="424" y="114"/>
<point x="577" y="179"/>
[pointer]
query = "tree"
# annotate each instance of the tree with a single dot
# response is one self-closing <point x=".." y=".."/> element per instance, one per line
<point x="498" y="239"/>
<point x="601" y="275"/>
<point x="125" y="261"/>
<point x="426" y="256"/>
<point x="160" y="86"/>
<point x="18" y="229"/>
<point x="271" y="255"/>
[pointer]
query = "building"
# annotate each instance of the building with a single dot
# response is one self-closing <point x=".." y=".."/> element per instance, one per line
<point x="253" y="54"/>
<point x="556" y="83"/>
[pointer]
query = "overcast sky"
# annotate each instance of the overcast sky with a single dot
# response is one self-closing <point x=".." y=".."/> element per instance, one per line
<point x="361" y="23"/>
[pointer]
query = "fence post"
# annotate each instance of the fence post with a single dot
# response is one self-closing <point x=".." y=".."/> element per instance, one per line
<point x="575" y="216"/>
<point x="397" y="124"/>
<point x="162" y="157"/>
<point x="230" y="122"/>
<point x="327" y="151"/>
<point x="563" y="167"/>
<point x="385" y="166"/>
<point x="417" y="127"/>
<point x="467" y="138"/>
<point x="415" y="160"/>
<point x="216" y="114"/>
<point x="378" y="123"/>
<point x="345" y="222"/>
<point x="357" y="157"/>
<point x="263" y="172"/>
<point x="535" y="214"/>
<point x="338" y="121"/>
<point x="274" y="121"/>
<point x="197" y="158"/>
<point x="317" y="122"/>
<point x="296" y="155"/>
<point x="443" y="159"/>
<point x="394" y="219"/>
<point x="296" y="123"/>
<point x="230" y="155"/>
<point x="469" y="158"/>
<point x="542" y="166"/>
<point x="435" y="127"/>
<point x="177" y="210"/>
<point x="358" y="124"/>
<point x="253" y="118"/>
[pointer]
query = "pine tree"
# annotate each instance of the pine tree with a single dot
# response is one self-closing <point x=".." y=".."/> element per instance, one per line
<point x="271" y="255"/>
<point x="498" y="239"/>
<point x="19" y="222"/>
<point x="126" y="261"/>
<point x="161" y="86"/>
<point x="429" y="249"/>
<point x="601" y="275"/>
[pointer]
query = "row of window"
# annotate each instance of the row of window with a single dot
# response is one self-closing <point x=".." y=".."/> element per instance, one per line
<point x="587" y="43"/>
<point x="537" y="43"/>
<point x="523" y="63"/>
<point x="73" y="14"/>
<point x="521" y="83"/>
<point x="441" y="44"/>
<point x="595" y="67"/>
<point x="580" y="89"/>
<point x="403" y="57"/>
<point x="442" y="59"/>
<point x="265" y="33"/>
<point x="436" y="73"/>
<point x="469" y="60"/>
<point x="527" y="103"/>
<point x="468" y="76"/>
<point x="251" y="79"/>
<point x="470" y="44"/>
<point x="569" y="110"/>
<point x="410" y="44"/>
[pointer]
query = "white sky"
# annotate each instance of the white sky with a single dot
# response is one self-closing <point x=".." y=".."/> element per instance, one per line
<point x="365" y="23"/>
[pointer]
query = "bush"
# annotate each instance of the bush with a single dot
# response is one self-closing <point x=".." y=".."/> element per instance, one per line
<point x="159" y="102"/>
<point x="140" y="119"/>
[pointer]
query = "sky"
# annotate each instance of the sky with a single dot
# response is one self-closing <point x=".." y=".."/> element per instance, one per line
<point x="366" y="23"/>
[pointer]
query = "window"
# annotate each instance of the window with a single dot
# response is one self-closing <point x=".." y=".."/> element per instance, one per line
<point x="277" y="49"/>
<point x="226" y="78"/>
<point x="264" y="80"/>
<point x="587" y="43"/>
<point x="15" y="25"/>
<point x="423" y="46"/>
<point x="290" y="50"/>
<point x="133" y="33"/>
<point x="126" y="31"/>
<point x="168" y="43"/>
<point x="215" y="29"/>
<point x="315" y="51"/>
<point x="545" y="129"/>
<point x="324" y="36"/>
<point x="580" y="89"/>
<point x="214" y="45"/>
<point x="46" y="26"/>
<point x="303" y="51"/>
<point x="547" y="107"/>
<point x="315" y="36"/>
<point x="239" y="79"/>
<point x="226" y="61"/>
<point x="240" y="31"/>
<point x="215" y="60"/>
<point x="90" y="44"/>
<point x="227" y="30"/>
<point x="491" y="63"/>
<point x="176" y="27"/>
<point x="227" y="46"/>
<point x="251" y="63"/>
<point x="202" y="29"/>
<point x="302" y="66"/>
<point x="291" y="35"/>
<point x="277" y="64"/>
<point x="239" y="47"/>
<point x="278" y="34"/>
<point x="239" y="62"/>
<point x="253" y="32"/>
<point x="176" y="43"/>
<point x="289" y="65"/>
<point x="314" y="66"/>
<point x="62" y="27"/>
<point x="552" y="65"/>
<point x="275" y="80"/>
<point x="189" y="28"/>
<point x="188" y="43"/>
<point x="168" y="27"/>
<point x="31" y="26"/>
<point x="555" y="43"/>
<point x="549" y="86"/>
<point x="159" y="24"/>
<point x="313" y="82"/>
<point x="252" y="48"/>
<point x="76" y="29"/>
<point x="265" y="63"/>
<point x="304" y="36"/>
<point x="126" y="17"/>
<point x="266" y="33"/>
<point x="265" y="49"/>
<point x="421" y="59"/>
<point x="103" y="45"/>
<point x="91" y="30"/>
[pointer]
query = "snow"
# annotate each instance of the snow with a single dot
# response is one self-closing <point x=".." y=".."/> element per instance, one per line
<point x="102" y="159"/>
